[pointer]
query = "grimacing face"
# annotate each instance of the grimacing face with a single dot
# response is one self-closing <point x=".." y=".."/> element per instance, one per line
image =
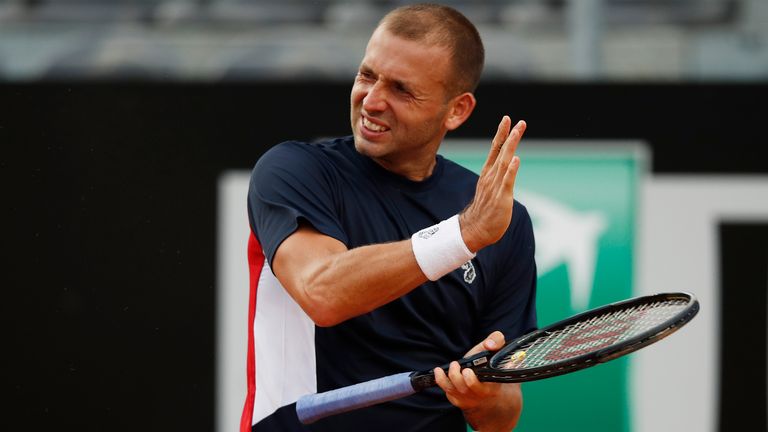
<point x="399" y="101"/>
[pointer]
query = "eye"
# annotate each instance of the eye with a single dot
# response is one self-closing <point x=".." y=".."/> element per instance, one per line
<point x="365" y="75"/>
<point x="403" y="91"/>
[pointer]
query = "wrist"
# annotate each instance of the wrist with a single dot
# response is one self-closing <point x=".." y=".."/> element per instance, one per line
<point x="440" y="249"/>
<point x="489" y="419"/>
<point x="501" y="412"/>
<point x="468" y="234"/>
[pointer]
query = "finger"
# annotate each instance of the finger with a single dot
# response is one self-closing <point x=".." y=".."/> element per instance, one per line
<point x="507" y="154"/>
<point x="513" y="139"/>
<point x="511" y="168"/>
<point x="476" y="349"/>
<point x="442" y="380"/>
<point x="457" y="380"/>
<point x="520" y="127"/>
<point x="502" y="133"/>
<point x="478" y="388"/>
<point x="501" y="166"/>
<point x="494" y="341"/>
<point x="473" y="383"/>
<point x="508" y="182"/>
<point x="505" y="127"/>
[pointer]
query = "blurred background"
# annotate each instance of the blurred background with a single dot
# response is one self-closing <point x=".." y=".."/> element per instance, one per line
<point x="214" y="40"/>
<point x="127" y="129"/>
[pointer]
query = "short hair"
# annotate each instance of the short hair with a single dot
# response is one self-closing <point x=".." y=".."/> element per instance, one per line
<point x="442" y="26"/>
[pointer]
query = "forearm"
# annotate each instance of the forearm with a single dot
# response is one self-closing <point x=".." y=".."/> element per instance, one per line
<point x="356" y="281"/>
<point x="500" y="416"/>
<point x="332" y="283"/>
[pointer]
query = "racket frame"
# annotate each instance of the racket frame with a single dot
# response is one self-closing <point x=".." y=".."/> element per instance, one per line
<point x="310" y="408"/>
<point x="485" y="363"/>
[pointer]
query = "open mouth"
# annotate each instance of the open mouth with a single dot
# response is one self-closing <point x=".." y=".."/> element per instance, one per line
<point x="373" y="127"/>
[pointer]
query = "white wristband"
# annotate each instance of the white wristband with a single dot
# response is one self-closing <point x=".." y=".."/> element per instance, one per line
<point x="440" y="249"/>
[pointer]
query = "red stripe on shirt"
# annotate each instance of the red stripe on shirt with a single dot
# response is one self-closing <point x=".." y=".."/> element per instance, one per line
<point x="255" y="266"/>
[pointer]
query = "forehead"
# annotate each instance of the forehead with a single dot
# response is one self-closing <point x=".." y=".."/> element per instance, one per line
<point x="406" y="60"/>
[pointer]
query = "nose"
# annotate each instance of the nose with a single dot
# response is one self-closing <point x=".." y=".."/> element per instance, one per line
<point x="375" y="100"/>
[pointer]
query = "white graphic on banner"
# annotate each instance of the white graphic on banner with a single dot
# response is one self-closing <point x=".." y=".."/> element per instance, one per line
<point x="566" y="236"/>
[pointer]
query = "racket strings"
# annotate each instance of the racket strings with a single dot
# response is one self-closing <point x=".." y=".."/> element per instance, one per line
<point x="593" y="334"/>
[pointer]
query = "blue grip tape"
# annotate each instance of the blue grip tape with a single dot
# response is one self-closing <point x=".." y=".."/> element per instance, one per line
<point x="311" y="408"/>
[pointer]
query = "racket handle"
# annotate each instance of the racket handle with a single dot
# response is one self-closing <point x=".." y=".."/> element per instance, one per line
<point x="311" y="408"/>
<point x="425" y="379"/>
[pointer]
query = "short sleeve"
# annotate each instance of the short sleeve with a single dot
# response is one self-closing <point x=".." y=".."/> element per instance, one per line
<point x="510" y="304"/>
<point x="292" y="181"/>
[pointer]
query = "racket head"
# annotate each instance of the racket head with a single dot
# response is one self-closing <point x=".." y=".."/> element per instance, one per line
<point x="590" y="338"/>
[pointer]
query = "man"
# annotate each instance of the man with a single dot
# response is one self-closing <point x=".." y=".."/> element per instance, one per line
<point x="372" y="255"/>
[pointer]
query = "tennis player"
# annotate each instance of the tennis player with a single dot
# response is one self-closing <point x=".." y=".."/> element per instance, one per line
<point x="371" y="254"/>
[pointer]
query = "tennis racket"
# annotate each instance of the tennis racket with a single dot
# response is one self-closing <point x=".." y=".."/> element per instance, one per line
<point x="584" y="340"/>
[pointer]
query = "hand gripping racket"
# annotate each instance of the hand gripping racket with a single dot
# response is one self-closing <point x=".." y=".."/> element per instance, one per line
<point x="579" y="342"/>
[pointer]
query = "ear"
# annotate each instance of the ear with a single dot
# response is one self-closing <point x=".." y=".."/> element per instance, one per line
<point x="460" y="109"/>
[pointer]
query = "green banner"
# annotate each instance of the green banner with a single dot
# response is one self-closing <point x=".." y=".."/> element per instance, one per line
<point x="583" y="202"/>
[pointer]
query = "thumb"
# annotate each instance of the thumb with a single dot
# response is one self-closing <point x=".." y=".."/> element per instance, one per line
<point x="494" y="341"/>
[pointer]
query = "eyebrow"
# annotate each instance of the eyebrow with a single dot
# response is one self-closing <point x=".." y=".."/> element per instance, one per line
<point x="402" y="84"/>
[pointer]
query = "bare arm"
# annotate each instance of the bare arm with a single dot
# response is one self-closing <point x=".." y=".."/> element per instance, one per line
<point x="332" y="283"/>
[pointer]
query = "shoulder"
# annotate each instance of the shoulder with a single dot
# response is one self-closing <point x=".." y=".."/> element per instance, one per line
<point x="456" y="169"/>
<point x="289" y="153"/>
<point x="458" y="175"/>
<point x="520" y="213"/>
<point x="521" y="227"/>
<point x="519" y="238"/>
<point x="297" y="159"/>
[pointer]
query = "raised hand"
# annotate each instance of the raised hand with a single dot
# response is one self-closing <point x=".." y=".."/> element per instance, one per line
<point x="486" y="218"/>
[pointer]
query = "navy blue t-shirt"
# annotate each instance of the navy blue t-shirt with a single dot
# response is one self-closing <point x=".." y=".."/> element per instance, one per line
<point x="349" y="197"/>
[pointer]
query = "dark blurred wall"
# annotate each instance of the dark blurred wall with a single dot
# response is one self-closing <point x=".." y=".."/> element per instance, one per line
<point x="110" y="205"/>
